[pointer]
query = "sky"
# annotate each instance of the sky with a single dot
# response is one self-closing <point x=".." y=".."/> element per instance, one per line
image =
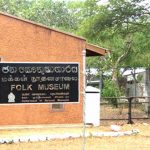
<point x="102" y="1"/>
<point x="105" y="1"/>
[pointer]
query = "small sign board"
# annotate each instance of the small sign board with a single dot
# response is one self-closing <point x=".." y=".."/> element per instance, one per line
<point x="39" y="83"/>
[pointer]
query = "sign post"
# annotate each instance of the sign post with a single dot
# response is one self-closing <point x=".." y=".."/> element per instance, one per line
<point x="39" y="83"/>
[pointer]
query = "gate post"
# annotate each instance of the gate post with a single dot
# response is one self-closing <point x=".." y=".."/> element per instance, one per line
<point x="130" y="110"/>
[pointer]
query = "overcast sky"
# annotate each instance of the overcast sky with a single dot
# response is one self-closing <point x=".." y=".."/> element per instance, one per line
<point x="102" y="1"/>
<point x="105" y="1"/>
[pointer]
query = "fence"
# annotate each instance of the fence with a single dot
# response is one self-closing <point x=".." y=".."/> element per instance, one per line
<point x="126" y="109"/>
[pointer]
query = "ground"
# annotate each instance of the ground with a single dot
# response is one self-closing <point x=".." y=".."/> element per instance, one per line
<point x="138" y="142"/>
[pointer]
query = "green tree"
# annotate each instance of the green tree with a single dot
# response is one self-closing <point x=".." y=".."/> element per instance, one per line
<point x="123" y="27"/>
<point x="56" y="14"/>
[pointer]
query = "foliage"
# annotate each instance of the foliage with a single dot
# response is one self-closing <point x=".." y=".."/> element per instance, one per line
<point x="55" y="14"/>
<point x="139" y="78"/>
<point x="120" y="26"/>
<point x="111" y="90"/>
<point x="123" y="27"/>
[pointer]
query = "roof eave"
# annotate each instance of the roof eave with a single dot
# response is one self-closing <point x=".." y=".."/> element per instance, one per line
<point x="93" y="50"/>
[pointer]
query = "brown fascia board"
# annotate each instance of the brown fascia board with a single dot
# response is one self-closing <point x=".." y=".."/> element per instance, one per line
<point x="41" y="25"/>
<point x="96" y="49"/>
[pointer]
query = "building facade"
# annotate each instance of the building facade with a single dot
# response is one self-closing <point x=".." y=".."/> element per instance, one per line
<point x="25" y="41"/>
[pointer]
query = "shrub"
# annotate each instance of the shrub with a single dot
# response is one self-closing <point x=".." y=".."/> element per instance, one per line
<point x="111" y="90"/>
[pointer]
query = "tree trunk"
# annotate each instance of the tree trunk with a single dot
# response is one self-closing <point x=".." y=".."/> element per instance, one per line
<point x="116" y="85"/>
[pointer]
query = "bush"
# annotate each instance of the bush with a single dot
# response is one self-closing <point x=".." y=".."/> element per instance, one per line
<point x="110" y="89"/>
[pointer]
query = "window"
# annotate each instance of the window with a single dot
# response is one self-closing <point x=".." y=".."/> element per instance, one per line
<point x="57" y="107"/>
